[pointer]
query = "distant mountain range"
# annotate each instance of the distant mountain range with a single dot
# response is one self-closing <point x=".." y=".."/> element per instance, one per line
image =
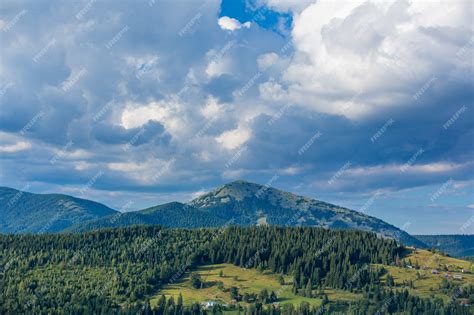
<point x="23" y="212"/>
<point x="454" y="245"/>
<point x="236" y="203"/>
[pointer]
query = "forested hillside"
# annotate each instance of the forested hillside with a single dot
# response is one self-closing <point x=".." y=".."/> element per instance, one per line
<point x="454" y="245"/>
<point x="119" y="270"/>
<point x="24" y="212"/>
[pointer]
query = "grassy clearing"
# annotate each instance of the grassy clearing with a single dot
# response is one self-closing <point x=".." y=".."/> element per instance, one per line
<point x="436" y="260"/>
<point x="426" y="284"/>
<point x="247" y="280"/>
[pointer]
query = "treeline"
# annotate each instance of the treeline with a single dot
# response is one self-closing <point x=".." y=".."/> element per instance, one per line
<point x="381" y="302"/>
<point x="376" y="301"/>
<point x="117" y="270"/>
<point x="316" y="257"/>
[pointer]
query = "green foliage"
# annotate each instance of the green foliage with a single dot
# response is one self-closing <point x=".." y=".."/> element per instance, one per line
<point x="196" y="281"/>
<point x="263" y="296"/>
<point x="390" y="281"/>
<point x="234" y="293"/>
<point x="281" y="280"/>
<point x="118" y="270"/>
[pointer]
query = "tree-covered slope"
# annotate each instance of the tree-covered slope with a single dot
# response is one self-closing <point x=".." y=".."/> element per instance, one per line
<point x="114" y="267"/>
<point x="23" y="212"/>
<point x="454" y="245"/>
<point x="173" y="214"/>
<point x="118" y="271"/>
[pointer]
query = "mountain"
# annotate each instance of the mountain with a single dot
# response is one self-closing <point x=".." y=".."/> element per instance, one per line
<point x="244" y="203"/>
<point x="23" y="212"/>
<point x="248" y="203"/>
<point x="454" y="245"/>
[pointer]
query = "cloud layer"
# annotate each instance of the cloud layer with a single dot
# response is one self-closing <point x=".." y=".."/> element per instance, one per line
<point x="164" y="99"/>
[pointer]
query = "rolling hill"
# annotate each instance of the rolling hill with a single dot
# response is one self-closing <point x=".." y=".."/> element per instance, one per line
<point x="23" y="212"/>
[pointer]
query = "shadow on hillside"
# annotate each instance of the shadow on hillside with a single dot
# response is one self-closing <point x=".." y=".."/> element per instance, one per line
<point x="207" y="268"/>
<point x="407" y="251"/>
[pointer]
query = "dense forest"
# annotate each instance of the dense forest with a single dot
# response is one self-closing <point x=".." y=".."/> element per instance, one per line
<point x="117" y="270"/>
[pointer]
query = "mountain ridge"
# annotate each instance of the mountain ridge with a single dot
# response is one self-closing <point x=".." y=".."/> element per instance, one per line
<point x="237" y="203"/>
<point x="250" y="202"/>
<point x="24" y="212"/>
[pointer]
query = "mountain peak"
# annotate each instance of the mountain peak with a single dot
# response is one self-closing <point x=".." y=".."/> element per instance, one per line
<point x="248" y="203"/>
<point x="239" y="190"/>
<point x="239" y="183"/>
<point x="236" y="190"/>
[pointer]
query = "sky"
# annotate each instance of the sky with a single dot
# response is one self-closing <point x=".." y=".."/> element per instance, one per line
<point x="364" y="104"/>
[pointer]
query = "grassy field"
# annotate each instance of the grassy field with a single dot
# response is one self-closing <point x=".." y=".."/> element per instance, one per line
<point x="435" y="260"/>
<point x="426" y="284"/>
<point x="247" y="280"/>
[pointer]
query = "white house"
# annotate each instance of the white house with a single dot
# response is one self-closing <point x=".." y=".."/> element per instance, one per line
<point x="209" y="304"/>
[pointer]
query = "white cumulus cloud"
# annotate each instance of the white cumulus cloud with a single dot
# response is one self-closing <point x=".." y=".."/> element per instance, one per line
<point x="355" y="58"/>
<point x="233" y="139"/>
<point x="231" y="24"/>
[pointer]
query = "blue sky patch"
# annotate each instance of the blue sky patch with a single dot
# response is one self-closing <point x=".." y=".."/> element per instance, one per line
<point x="247" y="10"/>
